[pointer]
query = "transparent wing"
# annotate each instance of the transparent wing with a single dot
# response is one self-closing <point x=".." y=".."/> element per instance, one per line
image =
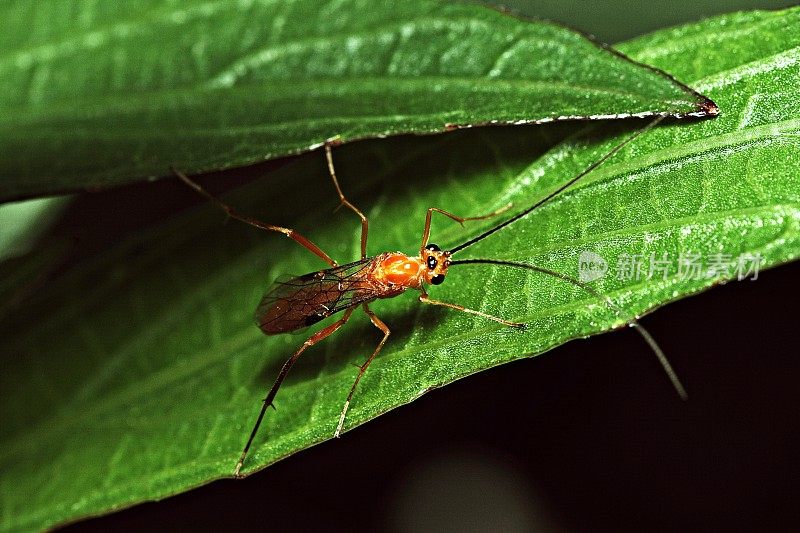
<point x="294" y="303"/>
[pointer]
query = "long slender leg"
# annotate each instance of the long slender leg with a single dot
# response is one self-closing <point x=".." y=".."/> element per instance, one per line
<point x="426" y="300"/>
<point x="292" y="234"/>
<point x="426" y="233"/>
<point x="378" y="323"/>
<point x="315" y="338"/>
<point x="346" y="202"/>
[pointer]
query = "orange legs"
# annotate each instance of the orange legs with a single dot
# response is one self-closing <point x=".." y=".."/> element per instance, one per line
<point x="426" y="300"/>
<point x="346" y="202"/>
<point x="316" y="250"/>
<point x="312" y="340"/>
<point x="327" y="331"/>
<point x="427" y="231"/>
<point x="378" y="323"/>
<point x="292" y="234"/>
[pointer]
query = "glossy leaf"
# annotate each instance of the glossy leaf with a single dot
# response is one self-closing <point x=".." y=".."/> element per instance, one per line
<point x="98" y="94"/>
<point x="139" y="372"/>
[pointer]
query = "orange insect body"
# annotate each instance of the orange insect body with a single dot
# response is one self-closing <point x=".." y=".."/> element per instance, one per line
<point x="302" y="301"/>
<point x="305" y="300"/>
<point x="397" y="269"/>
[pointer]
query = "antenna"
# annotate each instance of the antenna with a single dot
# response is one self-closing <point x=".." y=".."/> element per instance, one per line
<point x="632" y="322"/>
<point x="559" y="190"/>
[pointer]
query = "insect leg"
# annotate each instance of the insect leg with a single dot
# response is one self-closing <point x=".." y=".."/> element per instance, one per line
<point x="346" y="202"/>
<point x="632" y="322"/>
<point x="312" y="340"/>
<point x="427" y="231"/>
<point x="426" y="300"/>
<point x="378" y="323"/>
<point x="292" y="234"/>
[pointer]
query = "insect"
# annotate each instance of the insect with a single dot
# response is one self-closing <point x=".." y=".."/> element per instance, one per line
<point x="302" y="301"/>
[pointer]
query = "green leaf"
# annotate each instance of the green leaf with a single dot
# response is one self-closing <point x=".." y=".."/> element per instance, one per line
<point x="98" y="94"/>
<point x="138" y="374"/>
<point x="24" y="222"/>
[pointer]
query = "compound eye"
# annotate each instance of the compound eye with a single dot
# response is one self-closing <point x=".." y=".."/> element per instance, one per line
<point x="437" y="279"/>
<point x="432" y="262"/>
<point x="433" y="248"/>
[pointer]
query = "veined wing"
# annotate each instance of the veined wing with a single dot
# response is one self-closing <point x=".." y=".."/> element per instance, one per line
<point x="294" y="303"/>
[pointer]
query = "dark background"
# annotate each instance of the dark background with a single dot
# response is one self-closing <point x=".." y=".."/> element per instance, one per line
<point x="587" y="437"/>
<point x="615" y="20"/>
